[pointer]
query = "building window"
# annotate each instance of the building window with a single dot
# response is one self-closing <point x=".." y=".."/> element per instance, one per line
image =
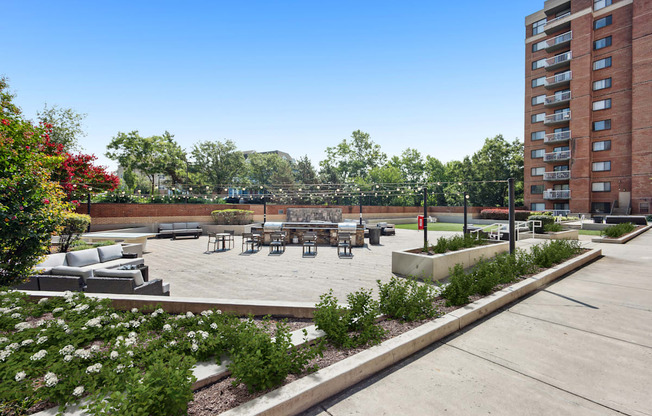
<point x="602" y="63"/>
<point x="537" y="82"/>
<point x="538" y="135"/>
<point x="539" y="45"/>
<point x="600" y="23"/>
<point x="601" y="166"/>
<point x="602" y="84"/>
<point x="539" y="206"/>
<point x="538" y="171"/>
<point x="601" y="4"/>
<point x="602" y="43"/>
<point x="539" y="64"/>
<point x="537" y="154"/>
<point x="601" y="186"/>
<point x="537" y="27"/>
<point x="601" y="207"/>
<point x="536" y="189"/>
<point x="644" y="208"/>
<point x="560" y="168"/>
<point x="539" y="99"/>
<point x="602" y="104"/>
<point x="538" y="118"/>
<point x="602" y="145"/>
<point x="601" y="125"/>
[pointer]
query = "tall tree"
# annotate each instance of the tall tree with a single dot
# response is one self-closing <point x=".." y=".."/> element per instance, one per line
<point x="352" y="158"/>
<point x="435" y="173"/>
<point x="217" y="163"/>
<point x="304" y="172"/>
<point x="66" y="126"/>
<point x="148" y="155"/>
<point x="269" y="168"/>
<point x="31" y="205"/>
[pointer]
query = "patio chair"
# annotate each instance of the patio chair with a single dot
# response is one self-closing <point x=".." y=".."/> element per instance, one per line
<point x="248" y="239"/>
<point x="277" y="243"/>
<point x="231" y="237"/>
<point x="344" y="245"/>
<point x="309" y="243"/>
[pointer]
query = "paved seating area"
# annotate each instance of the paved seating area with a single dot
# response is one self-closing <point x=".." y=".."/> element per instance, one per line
<point x="290" y="276"/>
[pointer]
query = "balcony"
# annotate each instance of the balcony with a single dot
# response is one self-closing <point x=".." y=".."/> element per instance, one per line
<point x="562" y="175"/>
<point x="557" y="118"/>
<point x="559" y="137"/>
<point x="558" y="80"/>
<point x="557" y="99"/>
<point x="557" y="156"/>
<point x="558" y="61"/>
<point x="559" y="42"/>
<point x="557" y="24"/>
<point x="556" y="194"/>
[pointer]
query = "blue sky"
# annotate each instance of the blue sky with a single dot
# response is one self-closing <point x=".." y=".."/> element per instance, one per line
<point x="297" y="76"/>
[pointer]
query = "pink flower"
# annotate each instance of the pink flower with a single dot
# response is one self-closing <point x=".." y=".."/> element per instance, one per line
<point x="46" y="201"/>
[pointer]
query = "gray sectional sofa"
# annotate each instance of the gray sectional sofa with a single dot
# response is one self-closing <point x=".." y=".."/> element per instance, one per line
<point x="94" y="271"/>
<point x="179" y="229"/>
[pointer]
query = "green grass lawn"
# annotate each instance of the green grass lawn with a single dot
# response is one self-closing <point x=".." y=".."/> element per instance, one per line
<point x="437" y="226"/>
<point x="590" y="232"/>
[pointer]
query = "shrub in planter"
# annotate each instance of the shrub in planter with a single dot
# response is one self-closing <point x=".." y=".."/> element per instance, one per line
<point x="545" y="220"/>
<point x="406" y="299"/>
<point x="73" y="226"/>
<point x="233" y="216"/>
<point x="503" y="214"/>
<point x="618" y="230"/>
<point x="553" y="228"/>
<point x="457" y="242"/>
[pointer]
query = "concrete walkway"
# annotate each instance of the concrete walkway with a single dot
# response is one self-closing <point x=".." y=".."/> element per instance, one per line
<point x="582" y="346"/>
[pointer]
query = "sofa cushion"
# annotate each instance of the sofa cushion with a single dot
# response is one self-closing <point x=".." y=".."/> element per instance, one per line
<point x="108" y="253"/>
<point x="179" y="226"/>
<point x="51" y="260"/>
<point x="126" y="274"/>
<point x="192" y="225"/>
<point x="84" y="273"/>
<point x="164" y="226"/>
<point x="83" y="257"/>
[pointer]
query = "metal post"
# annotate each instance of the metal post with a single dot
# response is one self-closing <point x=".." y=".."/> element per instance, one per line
<point x="88" y="206"/>
<point x="512" y="217"/>
<point x="360" y="200"/>
<point x="264" y="211"/>
<point x="465" y="229"/>
<point x="425" y="217"/>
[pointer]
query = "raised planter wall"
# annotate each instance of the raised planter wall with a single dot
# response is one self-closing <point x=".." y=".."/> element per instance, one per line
<point x="437" y="266"/>
<point x="560" y="235"/>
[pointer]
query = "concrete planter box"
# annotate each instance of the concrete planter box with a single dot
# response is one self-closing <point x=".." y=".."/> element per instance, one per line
<point x="437" y="266"/>
<point x="622" y="240"/>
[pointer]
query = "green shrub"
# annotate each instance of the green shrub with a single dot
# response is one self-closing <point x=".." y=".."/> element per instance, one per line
<point x="459" y="288"/>
<point x="406" y="299"/>
<point x="545" y="220"/>
<point x="74" y="225"/>
<point x="456" y="242"/>
<point x="553" y="228"/>
<point x="232" y="216"/>
<point x="547" y="254"/>
<point x="618" y="230"/>
<point x="503" y="214"/>
<point x="351" y="326"/>
<point x="263" y="362"/>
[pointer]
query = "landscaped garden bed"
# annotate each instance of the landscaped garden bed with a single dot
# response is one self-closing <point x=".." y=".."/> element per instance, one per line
<point x="90" y="349"/>
<point x="621" y="233"/>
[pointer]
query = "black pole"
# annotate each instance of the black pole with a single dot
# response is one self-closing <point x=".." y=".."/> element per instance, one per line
<point x="360" y="200"/>
<point x="425" y="217"/>
<point x="264" y="211"/>
<point x="88" y="208"/>
<point x="465" y="221"/>
<point x="512" y="216"/>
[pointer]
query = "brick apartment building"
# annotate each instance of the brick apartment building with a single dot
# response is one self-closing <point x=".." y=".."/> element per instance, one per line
<point x="588" y="106"/>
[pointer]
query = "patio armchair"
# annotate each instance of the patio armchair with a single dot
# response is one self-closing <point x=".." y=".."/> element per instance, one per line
<point x="310" y="243"/>
<point x="344" y="245"/>
<point x="248" y="239"/>
<point x="277" y="243"/>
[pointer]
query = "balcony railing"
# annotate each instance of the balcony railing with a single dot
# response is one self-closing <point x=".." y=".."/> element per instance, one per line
<point x="559" y="41"/>
<point x="557" y="118"/>
<point x="556" y="194"/>
<point x="557" y="156"/>
<point x="558" y="61"/>
<point x="562" y="136"/>
<point x="558" y="79"/>
<point x="558" y="23"/>
<point x="557" y="98"/>
<point x="561" y="175"/>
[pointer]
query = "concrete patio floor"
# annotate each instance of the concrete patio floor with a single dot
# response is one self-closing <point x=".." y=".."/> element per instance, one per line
<point x="231" y="274"/>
